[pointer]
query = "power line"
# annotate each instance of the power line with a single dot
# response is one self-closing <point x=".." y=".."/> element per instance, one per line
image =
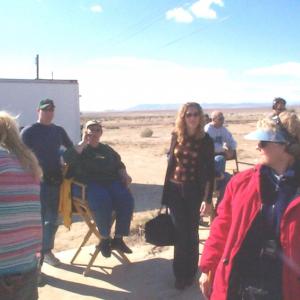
<point x="142" y="25"/>
<point x="183" y="37"/>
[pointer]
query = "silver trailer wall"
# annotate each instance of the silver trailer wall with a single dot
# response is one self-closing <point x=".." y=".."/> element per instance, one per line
<point x="21" y="97"/>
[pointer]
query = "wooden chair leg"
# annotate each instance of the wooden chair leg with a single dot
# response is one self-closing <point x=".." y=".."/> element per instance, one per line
<point x="86" y="238"/>
<point x="82" y="208"/>
<point x="91" y="262"/>
<point x="120" y="256"/>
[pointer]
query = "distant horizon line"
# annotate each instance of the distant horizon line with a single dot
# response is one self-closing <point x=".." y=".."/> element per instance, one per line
<point x="175" y="106"/>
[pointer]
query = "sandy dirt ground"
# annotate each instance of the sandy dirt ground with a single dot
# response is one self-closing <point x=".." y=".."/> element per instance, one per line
<point x="149" y="276"/>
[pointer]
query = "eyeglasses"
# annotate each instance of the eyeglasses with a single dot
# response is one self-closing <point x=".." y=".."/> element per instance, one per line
<point x="219" y="118"/>
<point x="189" y="114"/>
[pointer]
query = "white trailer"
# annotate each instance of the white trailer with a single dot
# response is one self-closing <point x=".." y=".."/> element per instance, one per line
<point x="22" y="96"/>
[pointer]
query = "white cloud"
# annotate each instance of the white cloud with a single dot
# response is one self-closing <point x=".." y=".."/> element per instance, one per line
<point x="122" y="82"/>
<point x="199" y="9"/>
<point x="180" y="15"/>
<point x="202" y="8"/>
<point x="96" y="8"/>
<point x="285" y="69"/>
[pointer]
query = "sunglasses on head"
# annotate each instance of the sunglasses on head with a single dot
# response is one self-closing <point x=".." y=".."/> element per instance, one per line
<point x="189" y="114"/>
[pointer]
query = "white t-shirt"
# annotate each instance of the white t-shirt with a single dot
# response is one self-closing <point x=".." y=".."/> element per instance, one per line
<point x="221" y="137"/>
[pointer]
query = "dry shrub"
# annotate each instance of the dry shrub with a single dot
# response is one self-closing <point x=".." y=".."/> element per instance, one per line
<point x="111" y="127"/>
<point x="146" y="132"/>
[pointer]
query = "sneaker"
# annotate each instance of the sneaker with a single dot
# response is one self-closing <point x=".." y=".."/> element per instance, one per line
<point x="51" y="260"/>
<point x="104" y="247"/>
<point x="118" y="244"/>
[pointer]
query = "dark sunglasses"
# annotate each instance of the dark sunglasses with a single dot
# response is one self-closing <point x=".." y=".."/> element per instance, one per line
<point x="189" y="115"/>
<point x="48" y="109"/>
<point x="98" y="129"/>
<point x="264" y="144"/>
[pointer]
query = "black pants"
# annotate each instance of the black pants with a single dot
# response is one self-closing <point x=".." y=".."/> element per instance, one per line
<point x="185" y="200"/>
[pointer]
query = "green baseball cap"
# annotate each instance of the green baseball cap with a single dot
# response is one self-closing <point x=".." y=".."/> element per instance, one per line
<point x="45" y="103"/>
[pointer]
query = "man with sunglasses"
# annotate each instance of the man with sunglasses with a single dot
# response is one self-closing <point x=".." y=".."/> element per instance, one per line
<point x="225" y="147"/>
<point x="279" y="105"/>
<point x="45" y="139"/>
<point x="223" y="141"/>
<point x="100" y="167"/>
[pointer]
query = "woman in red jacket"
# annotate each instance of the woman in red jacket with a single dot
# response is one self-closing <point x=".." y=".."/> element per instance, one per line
<point x="253" y="251"/>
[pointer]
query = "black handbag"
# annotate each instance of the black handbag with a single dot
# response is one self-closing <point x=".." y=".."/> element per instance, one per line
<point x="160" y="231"/>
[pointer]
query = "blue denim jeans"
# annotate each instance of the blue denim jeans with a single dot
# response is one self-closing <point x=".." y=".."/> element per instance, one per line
<point x="221" y="186"/>
<point x="103" y="199"/>
<point x="220" y="164"/>
<point x="49" y="203"/>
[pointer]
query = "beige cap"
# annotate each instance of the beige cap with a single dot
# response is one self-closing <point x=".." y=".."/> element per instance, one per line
<point x="92" y="122"/>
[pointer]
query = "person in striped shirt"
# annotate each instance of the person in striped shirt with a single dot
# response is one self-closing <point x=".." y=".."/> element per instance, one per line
<point x="20" y="215"/>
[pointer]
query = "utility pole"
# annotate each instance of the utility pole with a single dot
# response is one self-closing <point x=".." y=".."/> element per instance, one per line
<point x="37" y="66"/>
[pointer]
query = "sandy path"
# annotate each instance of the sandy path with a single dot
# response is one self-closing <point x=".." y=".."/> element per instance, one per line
<point x="148" y="277"/>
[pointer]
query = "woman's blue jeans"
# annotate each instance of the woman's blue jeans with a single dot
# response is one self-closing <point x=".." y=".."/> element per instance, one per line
<point x="103" y="199"/>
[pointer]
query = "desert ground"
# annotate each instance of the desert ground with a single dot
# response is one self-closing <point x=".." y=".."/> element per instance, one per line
<point x="149" y="276"/>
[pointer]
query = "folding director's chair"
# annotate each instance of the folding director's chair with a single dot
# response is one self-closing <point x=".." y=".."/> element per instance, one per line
<point x="81" y="205"/>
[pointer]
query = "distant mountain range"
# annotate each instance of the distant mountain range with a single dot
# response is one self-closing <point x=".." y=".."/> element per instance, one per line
<point x="175" y="106"/>
<point x="210" y="106"/>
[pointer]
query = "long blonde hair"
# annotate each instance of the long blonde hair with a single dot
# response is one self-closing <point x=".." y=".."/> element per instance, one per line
<point x="180" y="125"/>
<point x="11" y="141"/>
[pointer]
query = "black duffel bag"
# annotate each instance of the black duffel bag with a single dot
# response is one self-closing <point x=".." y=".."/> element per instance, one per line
<point x="160" y="231"/>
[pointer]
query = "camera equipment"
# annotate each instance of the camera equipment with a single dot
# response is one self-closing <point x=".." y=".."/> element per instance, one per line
<point x="269" y="249"/>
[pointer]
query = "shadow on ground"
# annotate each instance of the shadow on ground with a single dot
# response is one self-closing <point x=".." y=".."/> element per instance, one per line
<point x="144" y="280"/>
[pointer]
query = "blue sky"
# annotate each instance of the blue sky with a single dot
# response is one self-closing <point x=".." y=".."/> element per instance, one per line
<point x="129" y="52"/>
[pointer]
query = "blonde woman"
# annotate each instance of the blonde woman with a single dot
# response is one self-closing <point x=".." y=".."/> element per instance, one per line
<point x="253" y="251"/>
<point x="188" y="188"/>
<point x="20" y="216"/>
